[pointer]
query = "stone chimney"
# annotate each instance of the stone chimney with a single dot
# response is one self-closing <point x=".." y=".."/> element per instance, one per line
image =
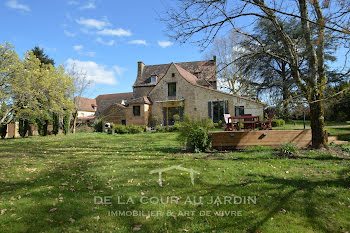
<point x="214" y="59"/>
<point x="140" y="67"/>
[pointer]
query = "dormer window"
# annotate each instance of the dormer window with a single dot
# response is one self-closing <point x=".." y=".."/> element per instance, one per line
<point x="153" y="78"/>
<point x="198" y="75"/>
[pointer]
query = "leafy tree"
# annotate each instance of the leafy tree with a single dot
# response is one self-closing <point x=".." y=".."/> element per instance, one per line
<point x="66" y="123"/>
<point x="44" y="58"/>
<point x="203" y="20"/>
<point x="23" y="127"/>
<point x="32" y="89"/>
<point x="338" y="109"/>
<point x="3" y="126"/>
<point x="10" y="68"/>
<point x="3" y="130"/>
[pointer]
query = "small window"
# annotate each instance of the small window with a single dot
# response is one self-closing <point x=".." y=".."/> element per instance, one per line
<point x="153" y="78"/>
<point x="136" y="110"/>
<point x="198" y="75"/>
<point x="173" y="75"/>
<point x="239" y="110"/>
<point x="123" y="122"/>
<point x="171" y="89"/>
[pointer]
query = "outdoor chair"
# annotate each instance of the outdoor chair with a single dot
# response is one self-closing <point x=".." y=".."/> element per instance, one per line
<point x="228" y="122"/>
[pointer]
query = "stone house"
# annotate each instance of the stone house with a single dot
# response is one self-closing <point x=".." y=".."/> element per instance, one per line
<point x="174" y="89"/>
<point x="86" y="108"/>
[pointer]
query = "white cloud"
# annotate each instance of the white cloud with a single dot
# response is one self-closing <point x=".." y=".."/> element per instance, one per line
<point x="101" y="41"/>
<point x="73" y="2"/>
<point x="14" y="4"/>
<point x="68" y="33"/>
<point x="114" y="32"/>
<point x="89" y="54"/>
<point x="165" y="44"/>
<point x="140" y="42"/>
<point x="93" y="23"/>
<point x="94" y="72"/>
<point x="88" y="5"/>
<point x="119" y="70"/>
<point x="78" y="47"/>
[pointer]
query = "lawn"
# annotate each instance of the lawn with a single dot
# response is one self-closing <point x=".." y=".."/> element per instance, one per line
<point x="340" y="129"/>
<point x="53" y="184"/>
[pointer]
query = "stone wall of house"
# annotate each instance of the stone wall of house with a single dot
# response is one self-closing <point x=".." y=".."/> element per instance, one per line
<point x="145" y="111"/>
<point x="194" y="99"/>
<point x="184" y="94"/>
<point x="115" y="114"/>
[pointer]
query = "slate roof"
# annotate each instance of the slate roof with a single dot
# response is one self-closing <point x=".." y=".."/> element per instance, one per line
<point x="104" y="101"/>
<point x="85" y="104"/>
<point x="193" y="80"/>
<point x="206" y="68"/>
<point x="139" y="100"/>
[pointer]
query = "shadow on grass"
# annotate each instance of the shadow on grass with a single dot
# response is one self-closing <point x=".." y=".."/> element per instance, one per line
<point x="65" y="187"/>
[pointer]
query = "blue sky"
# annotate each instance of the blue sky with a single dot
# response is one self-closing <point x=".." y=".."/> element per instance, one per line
<point x="105" y="37"/>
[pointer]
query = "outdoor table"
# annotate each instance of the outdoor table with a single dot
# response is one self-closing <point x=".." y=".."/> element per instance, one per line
<point x="248" y="121"/>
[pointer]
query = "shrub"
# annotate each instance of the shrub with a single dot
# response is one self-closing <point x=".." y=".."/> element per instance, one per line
<point x="153" y="121"/>
<point x="3" y="130"/>
<point x="194" y="133"/>
<point x="160" y="129"/>
<point x="176" y="118"/>
<point x="55" y="123"/>
<point x="173" y="128"/>
<point x="23" y="127"/>
<point x="197" y="140"/>
<point x="220" y="124"/>
<point x="275" y="123"/>
<point x="282" y="122"/>
<point x="42" y="126"/>
<point x="120" y="129"/>
<point x="133" y="129"/>
<point x="288" y="150"/>
<point x="98" y="125"/>
<point x="144" y="128"/>
<point x="345" y="148"/>
<point x="84" y="129"/>
<point x="66" y="123"/>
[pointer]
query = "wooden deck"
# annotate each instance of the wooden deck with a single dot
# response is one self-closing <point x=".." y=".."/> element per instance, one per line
<point x="240" y="139"/>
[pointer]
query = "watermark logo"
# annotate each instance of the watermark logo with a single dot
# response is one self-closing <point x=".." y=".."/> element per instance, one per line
<point x="177" y="167"/>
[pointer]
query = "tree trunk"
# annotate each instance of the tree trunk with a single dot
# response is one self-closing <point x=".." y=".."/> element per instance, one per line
<point x="285" y="92"/>
<point x="75" y="116"/>
<point x="317" y="125"/>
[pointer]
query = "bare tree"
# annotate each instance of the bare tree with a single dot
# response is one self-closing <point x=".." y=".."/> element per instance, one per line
<point x="209" y="18"/>
<point x="81" y="83"/>
<point x="230" y="77"/>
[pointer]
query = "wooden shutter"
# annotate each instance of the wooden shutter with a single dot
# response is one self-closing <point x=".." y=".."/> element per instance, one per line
<point x="165" y="118"/>
<point x="181" y="110"/>
<point x="210" y="116"/>
<point x="226" y="107"/>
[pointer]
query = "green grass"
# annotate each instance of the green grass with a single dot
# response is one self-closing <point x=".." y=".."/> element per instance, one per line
<point x="342" y="131"/>
<point x="64" y="173"/>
